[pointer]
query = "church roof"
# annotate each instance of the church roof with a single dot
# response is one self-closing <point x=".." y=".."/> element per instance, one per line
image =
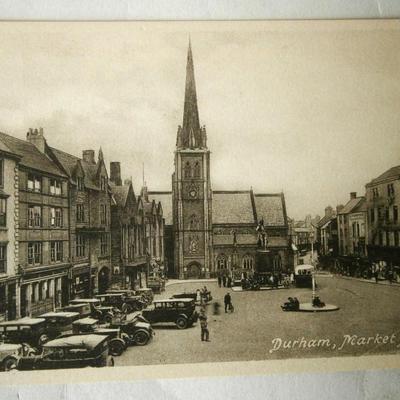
<point x="232" y="207"/>
<point x="165" y="198"/>
<point x="270" y="208"/>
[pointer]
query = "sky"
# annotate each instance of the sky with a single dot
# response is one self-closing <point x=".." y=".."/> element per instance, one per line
<point x="309" y="108"/>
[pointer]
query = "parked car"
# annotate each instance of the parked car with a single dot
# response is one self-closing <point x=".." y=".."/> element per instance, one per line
<point x="97" y="311"/>
<point x="182" y="312"/>
<point x="125" y="303"/>
<point x="70" y="352"/>
<point x="59" y="322"/>
<point x="156" y="284"/>
<point x="82" y="308"/>
<point x="116" y="342"/>
<point x="11" y="353"/>
<point x="206" y="297"/>
<point x="32" y="331"/>
<point x="136" y="329"/>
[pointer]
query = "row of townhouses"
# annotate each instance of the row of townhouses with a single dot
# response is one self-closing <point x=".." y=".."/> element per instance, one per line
<point x="67" y="228"/>
<point x="366" y="229"/>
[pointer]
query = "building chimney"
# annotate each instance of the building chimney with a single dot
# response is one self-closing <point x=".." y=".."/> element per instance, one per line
<point x="88" y="156"/>
<point x="329" y="211"/>
<point x="353" y="195"/>
<point x="115" y="172"/>
<point x="37" y="139"/>
<point x="339" y="208"/>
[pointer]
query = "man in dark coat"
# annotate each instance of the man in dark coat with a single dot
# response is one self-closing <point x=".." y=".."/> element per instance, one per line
<point x="227" y="302"/>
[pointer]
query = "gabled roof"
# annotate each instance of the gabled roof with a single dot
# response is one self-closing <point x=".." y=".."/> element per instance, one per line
<point x="270" y="208"/>
<point x="351" y="205"/>
<point x="30" y="156"/>
<point x="232" y="207"/>
<point x="361" y="206"/>
<point x="120" y="193"/>
<point x="165" y="198"/>
<point x="325" y="219"/>
<point x="69" y="162"/>
<point x="391" y="173"/>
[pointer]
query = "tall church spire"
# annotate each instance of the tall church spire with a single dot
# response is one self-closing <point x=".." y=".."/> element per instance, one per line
<point x="191" y="134"/>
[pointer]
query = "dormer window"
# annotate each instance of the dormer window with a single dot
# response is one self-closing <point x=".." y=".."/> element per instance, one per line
<point x="80" y="183"/>
<point x="55" y="187"/>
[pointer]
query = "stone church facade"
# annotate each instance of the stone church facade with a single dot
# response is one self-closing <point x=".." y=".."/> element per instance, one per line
<point x="210" y="233"/>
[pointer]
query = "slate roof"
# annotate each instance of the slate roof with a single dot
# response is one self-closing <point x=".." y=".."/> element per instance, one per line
<point x="232" y="207"/>
<point x="120" y="193"/>
<point x="165" y="198"/>
<point x="350" y="205"/>
<point x="393" y="172"/>
<point x="270" y="207"/>
<point x="31" y="157"/>
<point x="69" y="162"/>
<point x="361" y="206"/>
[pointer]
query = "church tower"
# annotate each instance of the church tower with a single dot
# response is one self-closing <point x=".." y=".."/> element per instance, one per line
<point x="191" y="190"/>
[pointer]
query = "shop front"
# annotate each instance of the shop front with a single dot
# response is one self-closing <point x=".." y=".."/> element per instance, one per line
<point x="135" y="275"/>
<point x="8" y="299"/>
<point x="80" y="281"/>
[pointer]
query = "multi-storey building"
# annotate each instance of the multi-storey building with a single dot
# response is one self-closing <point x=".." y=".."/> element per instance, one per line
<point x="9" y="222"/>
<point x="352" y="227"/>
<point x="43" y="223"/>
<point x="90" y="221"/>
<point x="383" y="203"/>
<point x="327" y="233"/>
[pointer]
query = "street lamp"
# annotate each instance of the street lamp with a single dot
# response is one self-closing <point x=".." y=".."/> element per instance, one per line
<point x="312" y="263"/>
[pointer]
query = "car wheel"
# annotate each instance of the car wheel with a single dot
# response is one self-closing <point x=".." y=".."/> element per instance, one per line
<point x="117" y="347"/>
<point x="181" y="323"/>
<point x="108" y="318"/>
<point x="10" y="363"/>
<point x="127" y="340"/>
<point x="141" y="338"/>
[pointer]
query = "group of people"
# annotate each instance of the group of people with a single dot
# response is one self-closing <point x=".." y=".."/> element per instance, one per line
<point x="205" y="333"/>
<point x="292" y="304"/>
<point x="203" y="295"/>
<point x="225" y="281"/>
<point x="274" y="280"/>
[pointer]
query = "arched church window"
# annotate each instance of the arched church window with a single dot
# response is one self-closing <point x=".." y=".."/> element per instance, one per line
<point x="222" y="262"/>
<point x="187" y="170"/>
<point x="197" y="170"/>
<point x="247" y="262"/>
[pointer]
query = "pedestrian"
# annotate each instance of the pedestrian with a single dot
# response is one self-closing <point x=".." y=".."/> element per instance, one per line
<point x="198" y="296"/>
<point x="219" y="280"/>
<point x="224" y="280"/>
<point x="216" y="307"/>
<point x="229" y="281"/>
<point x="205" y="334"/>
<point x="376" y="275"/>
<point x="227" y="302"/>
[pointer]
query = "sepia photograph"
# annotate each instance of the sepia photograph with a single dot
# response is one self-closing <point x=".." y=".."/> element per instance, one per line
<point x="198" y="192"/>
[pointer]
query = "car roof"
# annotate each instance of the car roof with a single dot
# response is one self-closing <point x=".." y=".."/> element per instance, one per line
<point x="108" y="294"/>
<point x="88" y="342"/>
<point x="23" y="321"/>
<point x="66" y="314"/>
<point x="76" y="305"/>
<point x="82" y="301"/>
<point x="185" y="300"/>
<point x="85" y="321"/>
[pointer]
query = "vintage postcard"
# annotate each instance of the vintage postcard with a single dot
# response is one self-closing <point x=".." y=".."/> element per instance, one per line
<point x="198" y="196"/>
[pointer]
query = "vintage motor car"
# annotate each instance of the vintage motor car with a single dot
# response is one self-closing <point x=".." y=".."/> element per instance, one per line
<point x="59" y="322"/>
<point x="73" y="351"/>
<point x="204" y="297"/>
<point x="121" y="301"/>
<point x="117" y="343"/>
<point x="82" y="308"/>
<point x="10" y="354"/>
<point x="157" y="284"/>
<point x="32" y="331"/>
<point x="303" y="275"/>
<point x="182" y="312"/>
<point x="102" y="313"/>
<point x="136" y="329"/>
